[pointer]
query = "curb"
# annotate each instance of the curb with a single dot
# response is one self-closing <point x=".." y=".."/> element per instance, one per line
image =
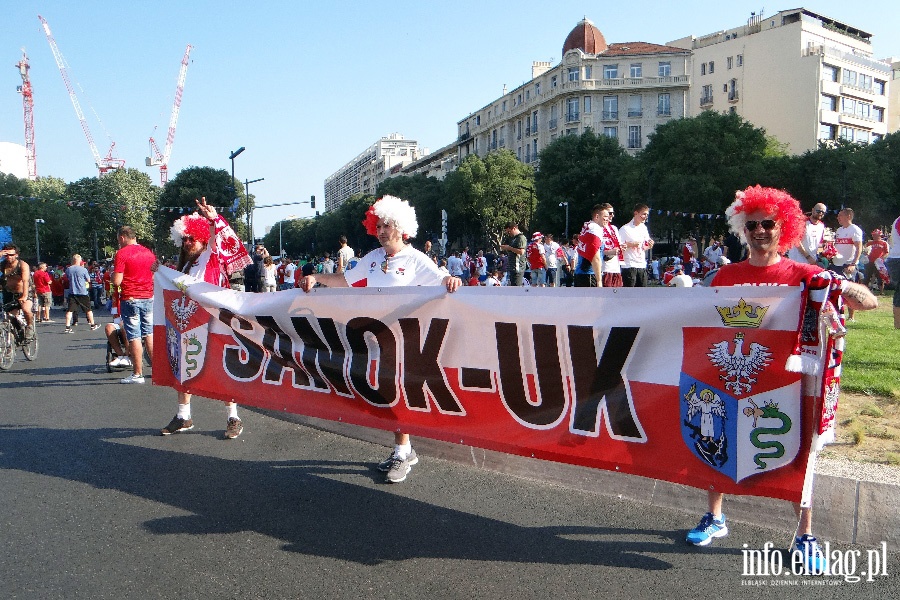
<point x="844" y="510"/>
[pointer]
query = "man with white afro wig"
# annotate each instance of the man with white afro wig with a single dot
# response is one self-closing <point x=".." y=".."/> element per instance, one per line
<point x="395" y="263"/>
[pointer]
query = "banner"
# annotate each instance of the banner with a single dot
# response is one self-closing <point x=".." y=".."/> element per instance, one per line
<point x="679" y="384"/>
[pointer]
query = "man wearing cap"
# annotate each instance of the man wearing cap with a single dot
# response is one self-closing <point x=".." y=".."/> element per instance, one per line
<point x="808" y="249"/>
<point x="513" y="248"/>
<point x="770" y="221"/>
<point x="536" y="260"/>
<point x="395" y="263"/>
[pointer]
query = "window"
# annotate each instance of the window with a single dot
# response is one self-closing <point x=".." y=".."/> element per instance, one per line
<point x="587" y="105"/>
<point x="829" y="73"/>
<point x="572" y="131"/>
<point x="827" y="132"/>
<point x="731" y="88"/>
<point x="637" y="70"/>
<point x="527" y="95"/>
<point x="828" y="103"/>
<point x="534" y="122"/>
<point x="553" y="117"/>
<point x="519" y="153"/>
<point x="634" y="136"/>
<point x="534" y="149"/>
<point x="862" y="136"/>
<point x="847" y="133"/>
<point x="571" y="109"/>
<point x="610" y="107"/>
<point x="664" y="105"/>
<point x="573" y="74"/>
<point x="848" y="106"/>
<point x="739" y="59"/>
<point x="712" y="67"/>
<point x="528" y="153"/>
<point x="634" y="106"/>
<point x="537" y="89"/>
<point x="849" y="77"/>
<point x="611" y="132"/>
<point x="477" y="120"/>
<point x="519" y="129"/>
<point x="878" y="87"/>
<point x="706" y="95"/>
<point x="588" y="72"/>
<point x="878" y="114"/>
<point x="865" y="81"/>
<point x="703" y="68"/>
<point x="665" y="68"/>
<point x="610" y="71"/>
<point x="864" y="110"/>
<point x="553" y="82"/>
<point x="504" y="106"/>
<point x="729" y="62"/>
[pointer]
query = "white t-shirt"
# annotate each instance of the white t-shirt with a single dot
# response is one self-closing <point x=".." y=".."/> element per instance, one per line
<point x="289" y="273"/>
<point x="407" y="267"/>
<point x="845" y="239"/>
<point x="895" y="240"/>
<point x="812" y="237"/>
<point x="491" y="282"/>
<point x="712" y="254"/>
<point x="455" y="265"/>
<point x="550" y="251"/>
<point x="634" y="258"/>
<point x="345" y="254"/>
<point x="681" y="281"/>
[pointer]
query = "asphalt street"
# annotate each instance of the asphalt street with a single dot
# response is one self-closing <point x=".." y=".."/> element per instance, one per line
<point x="96" y="504"/>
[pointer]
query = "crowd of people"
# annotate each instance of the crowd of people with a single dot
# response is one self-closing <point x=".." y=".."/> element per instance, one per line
<point x="772" y="242"/>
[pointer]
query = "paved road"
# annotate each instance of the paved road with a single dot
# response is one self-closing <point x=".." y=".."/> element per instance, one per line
<point x="95" y="504"/>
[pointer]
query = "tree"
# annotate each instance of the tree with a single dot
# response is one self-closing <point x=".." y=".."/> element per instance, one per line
<point x="582" y="170"/>
<point x="484" y="195"/>
<point x="178" y="198"/>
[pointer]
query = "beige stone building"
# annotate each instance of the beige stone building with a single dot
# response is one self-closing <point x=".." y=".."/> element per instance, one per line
<point x="362" y="175"/>
<point x="802" y="76"/>
<point x="622" y="90"/>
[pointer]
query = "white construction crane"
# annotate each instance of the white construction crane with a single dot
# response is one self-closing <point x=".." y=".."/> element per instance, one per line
<point x="162" y="158"/>
<point x="108" y="163"/>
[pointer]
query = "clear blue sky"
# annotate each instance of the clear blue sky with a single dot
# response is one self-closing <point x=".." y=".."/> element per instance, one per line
<point x="307" y="85"/>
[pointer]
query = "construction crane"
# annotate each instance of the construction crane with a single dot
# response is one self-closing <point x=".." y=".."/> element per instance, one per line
<point x="107" y="163"/>
<point x="162" y="158"/>
<point x="28" y="109"/>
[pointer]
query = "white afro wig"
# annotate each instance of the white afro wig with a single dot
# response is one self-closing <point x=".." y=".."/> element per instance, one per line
<point x="395" y="211"/>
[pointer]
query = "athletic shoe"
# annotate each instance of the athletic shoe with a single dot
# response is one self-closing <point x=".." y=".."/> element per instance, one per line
<point x="813" y="559"/>
<point x="707" y="529"/>
<point x="95" y="326"/>
<point x="133" y="379"/>
<point x="48" y="321"/>
<point x="233" y="428"/>
<point x="68" y="330"/>
<point x="385" y="465"/>
<point x="176" y="425"/>
<point x="120" y="361"/>
<point x="400" y="467"/>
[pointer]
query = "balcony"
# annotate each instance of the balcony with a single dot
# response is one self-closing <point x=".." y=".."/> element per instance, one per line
<point x="610" y="115"/>
<point x="733" y="96"/>
<point x="572" y="117"/>
<point x="663" y="112"/>
<point x="635" y="112"/>
<point x="706" y="100"/>
<point x="634" y="143"/>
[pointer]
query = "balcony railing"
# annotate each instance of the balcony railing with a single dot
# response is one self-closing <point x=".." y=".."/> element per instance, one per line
<point x="572" y="117"/>
<point x="705" y="100"/>
<point x="635" y="112"/>
<point x="610" y="115"/>
<point x="553" y="123"/>
<point x="663" y="112"/>
<point x="733" y="96"/>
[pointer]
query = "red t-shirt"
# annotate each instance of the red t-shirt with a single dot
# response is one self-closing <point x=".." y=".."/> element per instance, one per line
<point x="42" y="281"/>
<point x="133" y="262"/>
<point x="877" y="249"/>
<point x="535" y="254"/>
<point x="784" y="272"/>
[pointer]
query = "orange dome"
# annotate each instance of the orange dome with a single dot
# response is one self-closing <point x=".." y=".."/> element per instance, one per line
<point x="586" y="37"/>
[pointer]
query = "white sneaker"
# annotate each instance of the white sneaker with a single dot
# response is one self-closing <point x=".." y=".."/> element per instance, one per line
<point x="120" y="361"/>
<point x="133" y="379"/>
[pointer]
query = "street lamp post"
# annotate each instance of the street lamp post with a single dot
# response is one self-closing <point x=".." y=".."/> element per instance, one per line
<point x="250" y="210"/>
<point x="37" y="238"/>
<point x="234" y="198"/>
<point x="566" y="204"/>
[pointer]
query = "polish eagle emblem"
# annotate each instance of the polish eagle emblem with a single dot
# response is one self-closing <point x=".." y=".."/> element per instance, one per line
<point x="739" y="368"/>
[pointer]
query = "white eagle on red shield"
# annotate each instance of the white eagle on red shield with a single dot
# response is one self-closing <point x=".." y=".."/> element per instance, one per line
<point x="187" y="331"/>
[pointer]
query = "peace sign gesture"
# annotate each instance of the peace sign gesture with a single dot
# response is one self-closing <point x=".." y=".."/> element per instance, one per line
<point x="205" y="209"/>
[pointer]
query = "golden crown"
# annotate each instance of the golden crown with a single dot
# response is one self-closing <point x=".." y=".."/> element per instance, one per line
<point x="742" y="315"/>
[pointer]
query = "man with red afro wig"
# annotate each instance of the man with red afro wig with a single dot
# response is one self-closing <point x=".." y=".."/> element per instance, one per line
<point x="770" y="222"/>
<point x="210" y="251"/>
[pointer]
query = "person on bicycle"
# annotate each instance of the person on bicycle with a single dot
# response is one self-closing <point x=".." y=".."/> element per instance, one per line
<point x="16" y="285"/>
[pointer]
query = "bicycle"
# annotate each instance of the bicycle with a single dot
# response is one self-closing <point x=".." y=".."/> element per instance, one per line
<point x="12" y="336"/>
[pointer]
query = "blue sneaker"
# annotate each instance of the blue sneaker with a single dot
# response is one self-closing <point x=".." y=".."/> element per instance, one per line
<point x="708" y="528"/>
<point x="813" y="559"/>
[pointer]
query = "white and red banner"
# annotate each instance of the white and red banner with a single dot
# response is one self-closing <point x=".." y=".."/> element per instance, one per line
<point x="685" y="385"/>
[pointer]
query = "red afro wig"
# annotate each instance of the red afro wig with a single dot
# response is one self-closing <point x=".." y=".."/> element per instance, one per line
<point x="194" y="225"/>
<point x="371" y="221"/>
<point x="776" y="203"/>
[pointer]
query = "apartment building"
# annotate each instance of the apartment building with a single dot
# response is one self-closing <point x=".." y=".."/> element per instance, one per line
<point x="802" y="76"/>
<point x="362" y="175"/>
<point x="622" y="90"/>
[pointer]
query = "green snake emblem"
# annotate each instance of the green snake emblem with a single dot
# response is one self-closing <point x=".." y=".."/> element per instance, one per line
<point x="193" y="347"/>
<point x="768" y="411"/>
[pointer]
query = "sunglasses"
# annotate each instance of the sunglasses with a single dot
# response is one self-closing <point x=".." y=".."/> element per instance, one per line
<point x="767" y="224"/>
<point x="187" y="239"/>
<point x="820" y="212"/>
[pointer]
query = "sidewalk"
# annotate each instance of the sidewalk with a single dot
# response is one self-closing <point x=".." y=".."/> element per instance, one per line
<point x="845" y="510"/>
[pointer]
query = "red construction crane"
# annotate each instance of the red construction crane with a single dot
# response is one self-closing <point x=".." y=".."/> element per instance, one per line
<point x="162" y="158"/>
<point x="28" y="109"/>
<point x="108" y="163"/>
